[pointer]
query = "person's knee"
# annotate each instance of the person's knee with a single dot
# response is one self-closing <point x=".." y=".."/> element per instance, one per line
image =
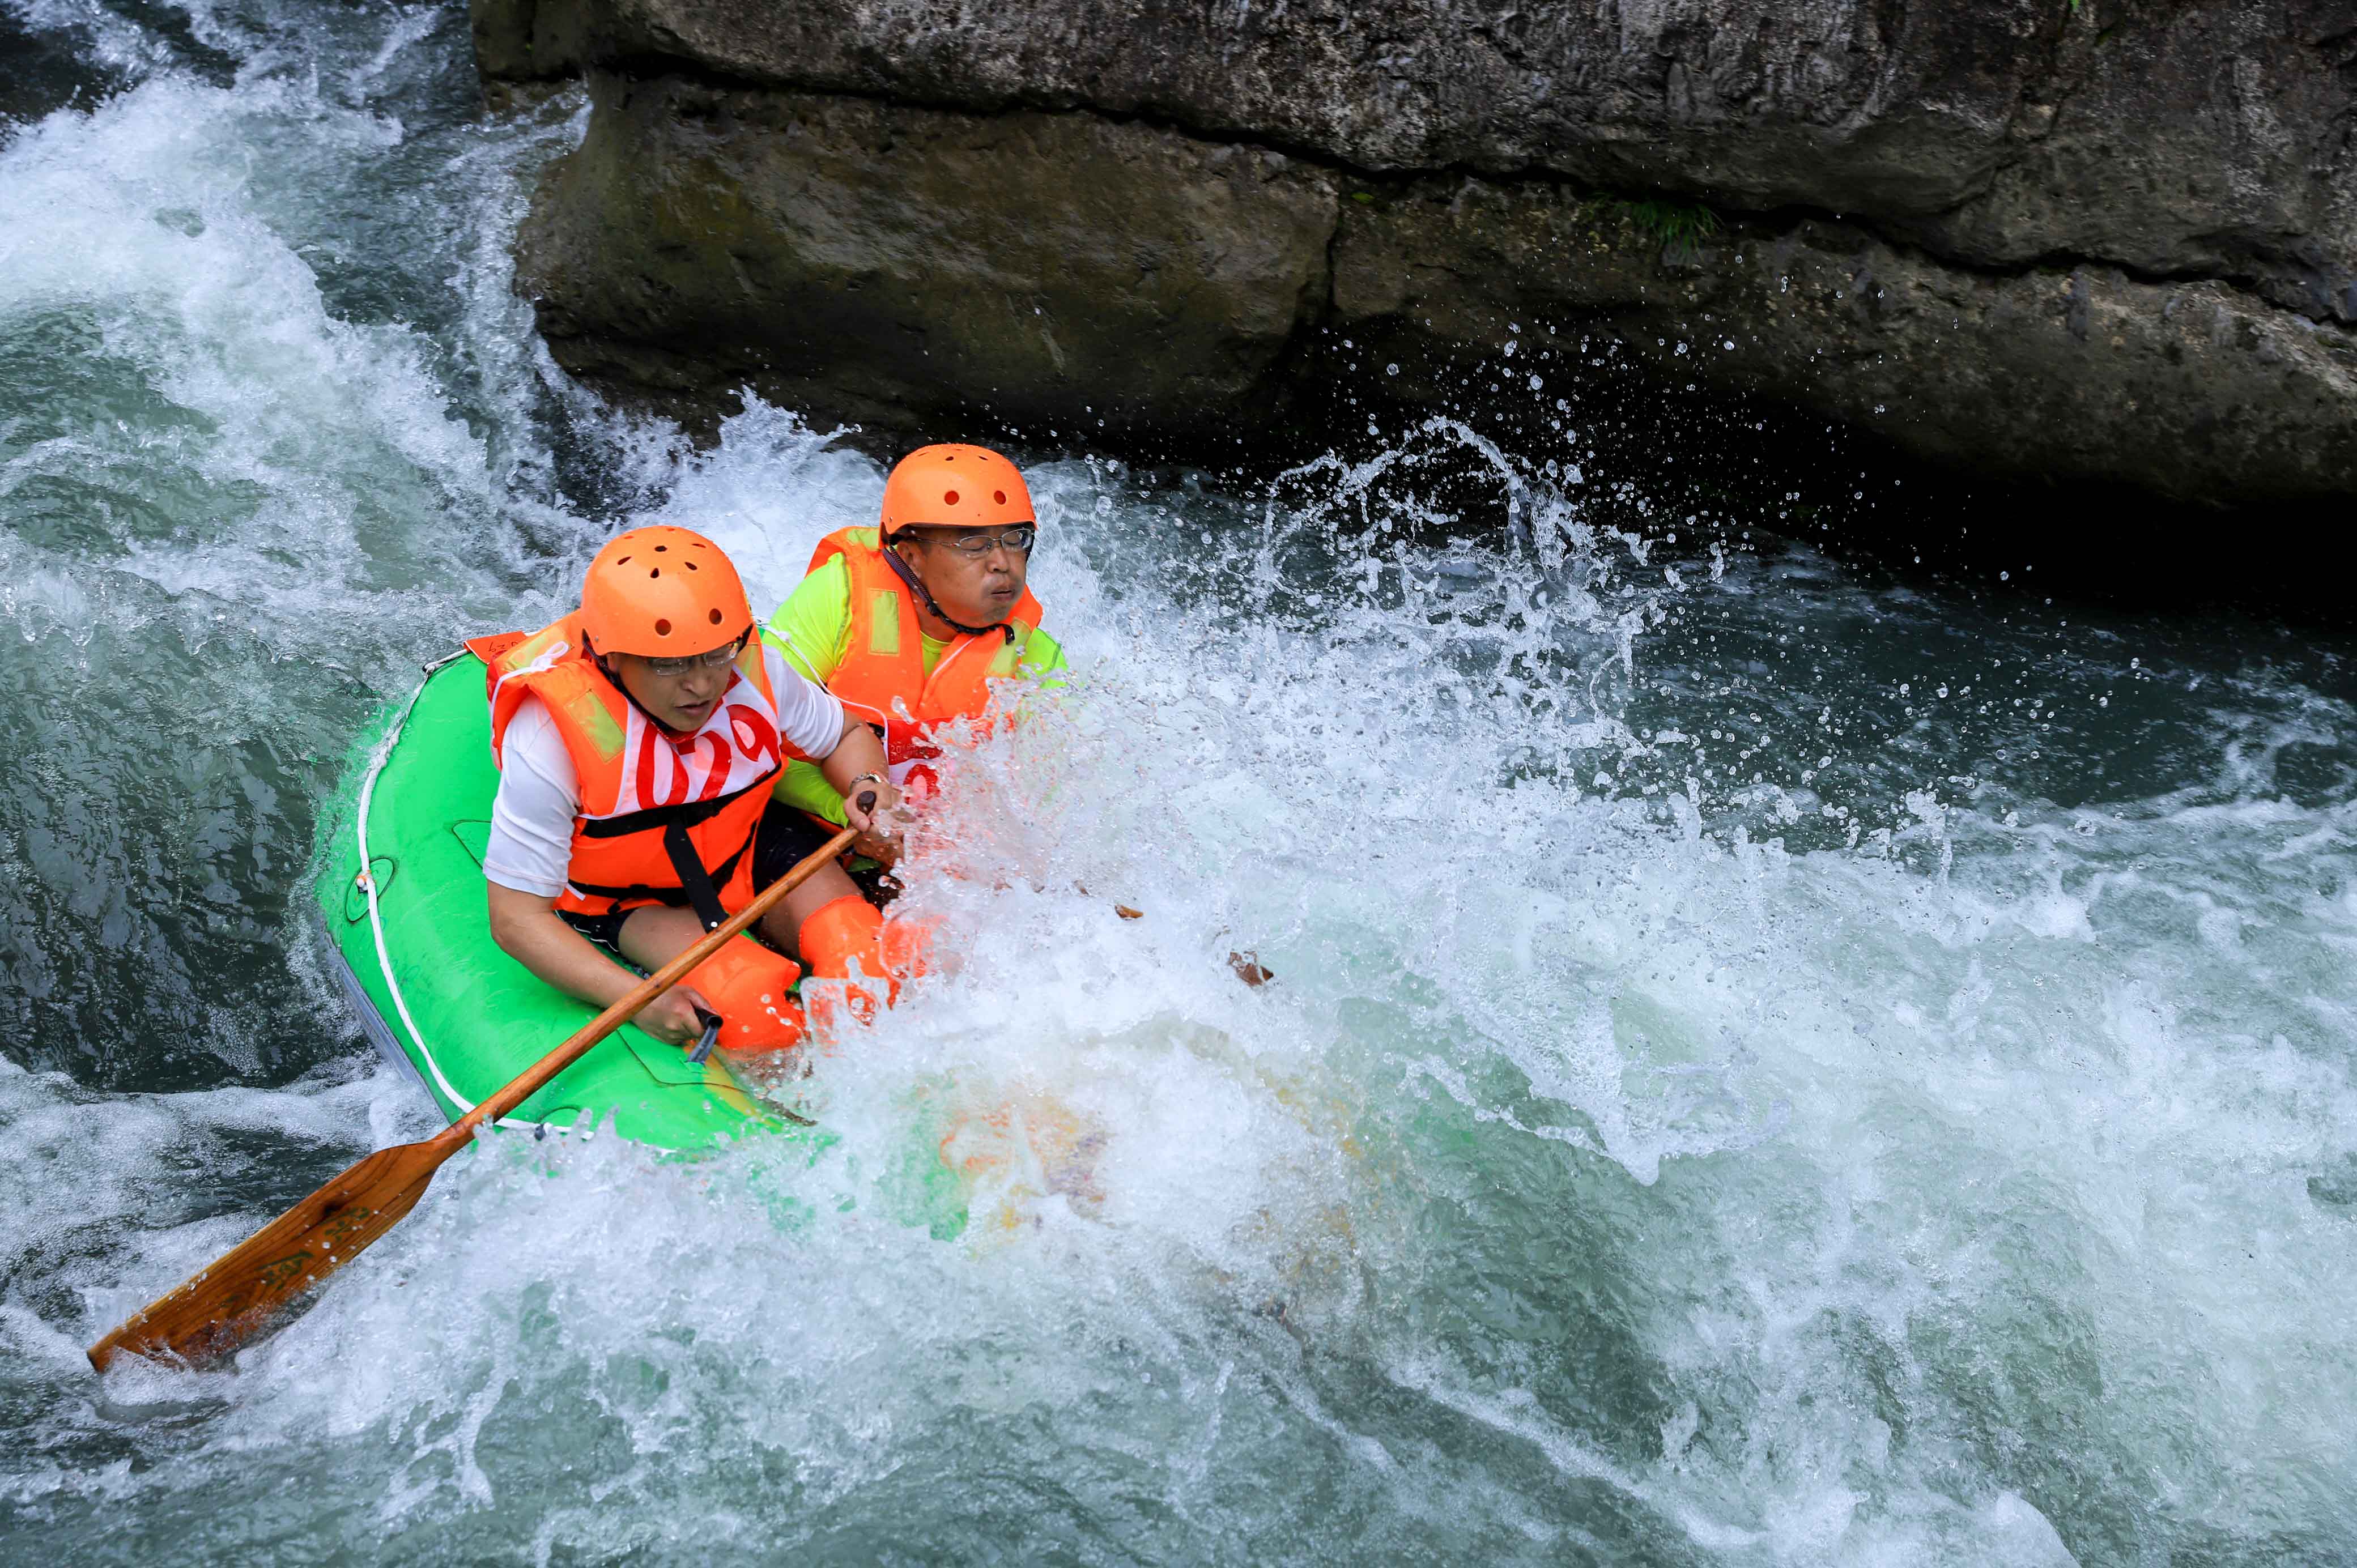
<point x="654" y="934"/>
<point x="783" y="925"/>
<point x="749" y="986"/>
<point x="843" y="931"/>
<point x="849" y="940"/>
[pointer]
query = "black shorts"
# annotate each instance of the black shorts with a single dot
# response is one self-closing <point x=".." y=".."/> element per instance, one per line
<point x="784" y="838"/>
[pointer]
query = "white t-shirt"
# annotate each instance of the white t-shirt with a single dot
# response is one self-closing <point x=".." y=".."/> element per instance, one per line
<point x="540" y="793"/>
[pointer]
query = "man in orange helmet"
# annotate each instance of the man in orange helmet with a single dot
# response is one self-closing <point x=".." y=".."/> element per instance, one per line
<point x="912" y="623"/>
<point x="639" y="739"/>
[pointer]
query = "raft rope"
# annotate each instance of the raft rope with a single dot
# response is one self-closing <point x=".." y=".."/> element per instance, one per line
<point x="368" y="885"/>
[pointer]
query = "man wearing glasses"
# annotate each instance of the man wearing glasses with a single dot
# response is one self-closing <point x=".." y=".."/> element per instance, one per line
<point x="640" y="740"/>
<point x="913" y="623"/>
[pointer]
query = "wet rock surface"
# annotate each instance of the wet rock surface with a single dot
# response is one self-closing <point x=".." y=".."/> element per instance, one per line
<point x="2104" y="241"/>
<point x="854" y="257"/>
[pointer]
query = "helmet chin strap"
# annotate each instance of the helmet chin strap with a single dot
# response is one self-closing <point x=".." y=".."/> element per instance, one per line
<point x="916" y="586"/>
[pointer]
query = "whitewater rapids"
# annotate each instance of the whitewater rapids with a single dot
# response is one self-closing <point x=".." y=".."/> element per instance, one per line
<point x="1770" y="1065"/>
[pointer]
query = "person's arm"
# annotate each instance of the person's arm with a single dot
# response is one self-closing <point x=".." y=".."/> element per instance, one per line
<point x="528" y="930"/>
<point x="844" y="750"/>
<point x="812" y="631"/>
<point x="524" y="867"/>
<point x="812" y="626"/>
<point x="805" y="789"/>
<point x="858" y="756"/>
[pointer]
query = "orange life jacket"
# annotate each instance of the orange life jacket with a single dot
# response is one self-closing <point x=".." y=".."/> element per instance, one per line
<point x="664" y="819"/>
<point x="882" y="678"/>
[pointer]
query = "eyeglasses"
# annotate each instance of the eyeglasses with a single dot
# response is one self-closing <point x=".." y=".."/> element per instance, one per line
<point x="975" y="546"/>
<point x="695" y="662"/>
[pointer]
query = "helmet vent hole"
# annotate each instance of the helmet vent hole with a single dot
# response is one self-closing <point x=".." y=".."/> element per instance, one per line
<point x="654" y="572"/>
<point x="663" y="628"/>
<point x="715" y="617"/>
<point x="690" y="565"/>
<point x="949" y="498"/>
<point x="998" y="496"/>
<point x="623" y="561"/>
<point x="660" y="548"/>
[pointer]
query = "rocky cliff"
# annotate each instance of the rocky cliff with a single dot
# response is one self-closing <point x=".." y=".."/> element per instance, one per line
<point x="2074" y="238"/>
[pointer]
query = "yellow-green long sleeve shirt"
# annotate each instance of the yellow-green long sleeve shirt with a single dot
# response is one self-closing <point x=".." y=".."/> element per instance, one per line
<point x="813" y="630"/>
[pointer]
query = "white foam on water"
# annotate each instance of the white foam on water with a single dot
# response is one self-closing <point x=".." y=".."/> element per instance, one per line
<point x="1890" y="1158"/>
<point x="1918" y="1153"/>
<point x="269" y="457"/>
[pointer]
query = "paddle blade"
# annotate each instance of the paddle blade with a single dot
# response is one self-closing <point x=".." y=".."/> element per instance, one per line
<point x="245" y="1289"/>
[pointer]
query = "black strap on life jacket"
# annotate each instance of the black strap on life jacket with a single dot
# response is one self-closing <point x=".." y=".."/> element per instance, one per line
<point x="700" y="892"/>
<point x="699" y="886"/>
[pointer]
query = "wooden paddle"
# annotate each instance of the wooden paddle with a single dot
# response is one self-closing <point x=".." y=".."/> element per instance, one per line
<point x="242" y="1291"/>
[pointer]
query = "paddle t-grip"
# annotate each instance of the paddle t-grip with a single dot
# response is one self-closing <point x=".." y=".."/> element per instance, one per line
<point x="867" y="802"/>
<point x="710" y="1038"/>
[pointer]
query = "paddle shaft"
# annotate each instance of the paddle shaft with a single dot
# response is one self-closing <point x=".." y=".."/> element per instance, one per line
<point x="244" y="1291"/>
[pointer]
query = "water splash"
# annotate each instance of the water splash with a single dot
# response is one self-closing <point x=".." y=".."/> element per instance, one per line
<point x="1767" y="1067"/>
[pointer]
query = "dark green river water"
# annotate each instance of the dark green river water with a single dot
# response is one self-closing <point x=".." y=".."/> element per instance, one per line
<point x="1772" y="1064"/>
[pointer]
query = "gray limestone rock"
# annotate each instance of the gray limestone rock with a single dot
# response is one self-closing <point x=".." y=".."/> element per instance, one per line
<point x="842" y="253"/>
<point x="2102" y="240"/>
<point x="2194" y="389"/>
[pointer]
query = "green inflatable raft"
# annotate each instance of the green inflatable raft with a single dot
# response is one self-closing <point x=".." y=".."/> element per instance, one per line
<point x="401" y="894"/>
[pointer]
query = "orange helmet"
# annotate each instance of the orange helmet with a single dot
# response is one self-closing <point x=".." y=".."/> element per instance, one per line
<point x="954" y="487"/>
<point x="663" y="592"/>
